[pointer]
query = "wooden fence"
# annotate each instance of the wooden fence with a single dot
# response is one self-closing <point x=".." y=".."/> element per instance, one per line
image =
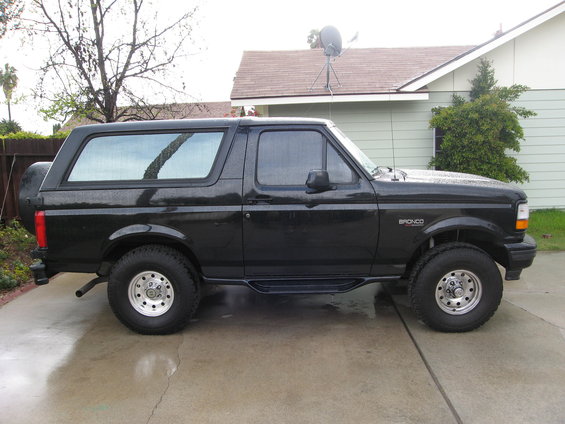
<point x="15" y="157"/>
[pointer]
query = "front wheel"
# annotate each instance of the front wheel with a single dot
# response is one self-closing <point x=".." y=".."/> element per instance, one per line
<point x="153" y="290"/>
<point x="455" y="287"/>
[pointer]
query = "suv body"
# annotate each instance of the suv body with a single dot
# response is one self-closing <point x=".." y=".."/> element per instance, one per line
<point x="280" y="205"/>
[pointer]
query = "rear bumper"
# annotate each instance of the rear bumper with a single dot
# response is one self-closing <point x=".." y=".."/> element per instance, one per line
<point x="520" y="256"/>
<point x="39" y="271"/>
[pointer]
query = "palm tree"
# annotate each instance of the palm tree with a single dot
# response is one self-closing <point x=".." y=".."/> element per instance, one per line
<point x="9" y="81"/>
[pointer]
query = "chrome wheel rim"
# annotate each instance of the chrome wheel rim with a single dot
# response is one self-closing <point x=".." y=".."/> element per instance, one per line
<point x="151" y="293"/>
<point x="458" y="292"/>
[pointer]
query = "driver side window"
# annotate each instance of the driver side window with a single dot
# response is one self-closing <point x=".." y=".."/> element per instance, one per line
<point x="284" y="158"/>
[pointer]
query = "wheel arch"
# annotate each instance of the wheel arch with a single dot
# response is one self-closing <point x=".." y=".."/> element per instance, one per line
<point x="478" y="232"/>
<point x="133" y="236"/>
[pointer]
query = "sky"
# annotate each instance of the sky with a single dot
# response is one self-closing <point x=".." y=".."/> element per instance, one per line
<point x="224" y="29"/>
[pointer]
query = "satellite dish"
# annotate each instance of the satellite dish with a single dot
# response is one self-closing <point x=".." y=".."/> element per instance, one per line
<point x="331" y="40"/>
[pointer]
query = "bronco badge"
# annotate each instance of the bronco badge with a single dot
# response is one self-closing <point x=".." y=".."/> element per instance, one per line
<point x="418" y="222"/>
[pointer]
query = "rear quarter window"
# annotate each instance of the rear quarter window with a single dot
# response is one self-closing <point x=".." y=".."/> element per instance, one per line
<point x="130" y="157"/>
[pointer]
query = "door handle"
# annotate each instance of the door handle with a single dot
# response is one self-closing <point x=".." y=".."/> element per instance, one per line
<point x="261" y="198"/>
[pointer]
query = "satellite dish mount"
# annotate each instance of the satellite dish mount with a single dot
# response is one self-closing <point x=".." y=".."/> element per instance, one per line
<point x="331" y="42"/>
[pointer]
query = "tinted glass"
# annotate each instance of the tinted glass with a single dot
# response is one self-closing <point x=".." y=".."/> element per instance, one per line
<point x="338" y="170"/>
<point x="356" y="152"/>
<point x="286" y="157"/>
<point x="147" y="157"/>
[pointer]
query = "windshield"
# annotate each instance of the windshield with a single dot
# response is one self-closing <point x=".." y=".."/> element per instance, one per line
<point x="355" y="151"/>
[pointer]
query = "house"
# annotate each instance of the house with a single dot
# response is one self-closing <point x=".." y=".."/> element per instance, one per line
<point x="382" y="98"/>
<point x="171" y="111"/>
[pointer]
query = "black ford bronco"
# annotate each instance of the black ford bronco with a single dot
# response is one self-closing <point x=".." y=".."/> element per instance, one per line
<point x="162" y="209"/>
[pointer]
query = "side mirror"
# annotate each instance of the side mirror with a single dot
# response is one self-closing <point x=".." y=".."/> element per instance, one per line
<point x="318" y="181"/>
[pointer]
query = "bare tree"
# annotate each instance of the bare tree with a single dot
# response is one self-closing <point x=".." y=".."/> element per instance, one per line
<point x="10" y="10"/>
<point x="108" y="52"/>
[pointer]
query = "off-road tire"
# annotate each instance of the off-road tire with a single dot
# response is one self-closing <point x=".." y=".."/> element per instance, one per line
<point x="474" y="275"/>
<point x="173" y="280"/>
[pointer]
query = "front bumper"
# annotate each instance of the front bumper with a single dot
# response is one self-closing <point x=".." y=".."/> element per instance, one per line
<point x="520" y="256"/>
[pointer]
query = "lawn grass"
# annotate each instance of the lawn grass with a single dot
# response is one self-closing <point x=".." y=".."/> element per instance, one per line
<point x="549" y="222"/>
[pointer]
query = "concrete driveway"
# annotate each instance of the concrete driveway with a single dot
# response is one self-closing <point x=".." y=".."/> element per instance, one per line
<point x="247" y="358"/>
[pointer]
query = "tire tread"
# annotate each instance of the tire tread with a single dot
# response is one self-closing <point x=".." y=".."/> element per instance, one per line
<point x="175" y="257"/>
<point x="413" y="294"/>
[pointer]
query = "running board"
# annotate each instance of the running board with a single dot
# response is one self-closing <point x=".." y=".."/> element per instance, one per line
<point x="306" y="286"/>
<point x="303" y="285"/>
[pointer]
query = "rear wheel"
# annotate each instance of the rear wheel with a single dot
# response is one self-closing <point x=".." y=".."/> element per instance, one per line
<point x="153" y="290"/>
<point x="455" y="287"/>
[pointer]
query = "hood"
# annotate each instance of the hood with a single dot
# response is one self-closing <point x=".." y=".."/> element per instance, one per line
<point x="454" y="183"/>
<point x="441" y="177"/>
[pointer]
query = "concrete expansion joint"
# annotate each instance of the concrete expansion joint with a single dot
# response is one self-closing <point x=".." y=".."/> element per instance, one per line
<point x="431" y="372"/>
<point x="562" y="329"/>
<point x="537" y="291"/>
<point x="169" y="377"/>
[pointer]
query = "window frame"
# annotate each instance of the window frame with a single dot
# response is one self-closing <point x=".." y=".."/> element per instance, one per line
<point x="208" y="180"/>
<point x="325" y="141"/>
<point x="438" y="135"/>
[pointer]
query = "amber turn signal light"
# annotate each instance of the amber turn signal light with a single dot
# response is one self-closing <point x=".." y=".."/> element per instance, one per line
<point x="522" y="224"/>
<point x="522" y="216"/>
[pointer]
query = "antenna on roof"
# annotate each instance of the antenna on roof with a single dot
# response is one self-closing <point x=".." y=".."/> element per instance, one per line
<point x="331" y="43"/>
<point x="350" y="42"/>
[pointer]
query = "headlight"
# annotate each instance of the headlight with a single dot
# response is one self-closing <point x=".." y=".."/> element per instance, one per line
<point x="522" y="216"/>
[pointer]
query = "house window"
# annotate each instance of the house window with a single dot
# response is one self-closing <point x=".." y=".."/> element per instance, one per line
<point x="438" y="140"/>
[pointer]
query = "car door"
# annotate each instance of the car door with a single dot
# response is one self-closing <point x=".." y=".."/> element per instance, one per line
<point x="290" y="230"/>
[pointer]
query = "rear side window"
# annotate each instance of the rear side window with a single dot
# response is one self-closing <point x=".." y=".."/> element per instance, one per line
<point x="187" y="155"/>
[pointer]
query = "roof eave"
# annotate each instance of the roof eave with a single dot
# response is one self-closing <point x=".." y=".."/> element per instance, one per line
<point x="475" y="53"/>
<point x="341" y="98"/>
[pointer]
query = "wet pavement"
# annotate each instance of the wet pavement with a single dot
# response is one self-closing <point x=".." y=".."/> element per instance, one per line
<point x="249" y="358"/>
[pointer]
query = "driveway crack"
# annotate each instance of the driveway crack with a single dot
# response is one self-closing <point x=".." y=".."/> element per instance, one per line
<point x="169" y="377"/>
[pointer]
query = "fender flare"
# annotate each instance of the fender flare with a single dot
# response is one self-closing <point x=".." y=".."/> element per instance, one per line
<point x="152" y="230"/>
<point x="458" y="223"/>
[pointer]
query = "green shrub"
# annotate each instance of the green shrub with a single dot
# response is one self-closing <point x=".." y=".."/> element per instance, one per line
<point x="17" y="236"/>
<point x="15" y="245"/>
<point x="21" y="272"/>
<point x="7" y="127"/>
<point x="7" y="282"/>
<point x="479" y="133"/>
<point x="26" y="135"/>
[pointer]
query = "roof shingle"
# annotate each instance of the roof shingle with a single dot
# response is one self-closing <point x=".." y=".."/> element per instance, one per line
<point x="291" y="73"/>
<point x="172" y="111"/>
